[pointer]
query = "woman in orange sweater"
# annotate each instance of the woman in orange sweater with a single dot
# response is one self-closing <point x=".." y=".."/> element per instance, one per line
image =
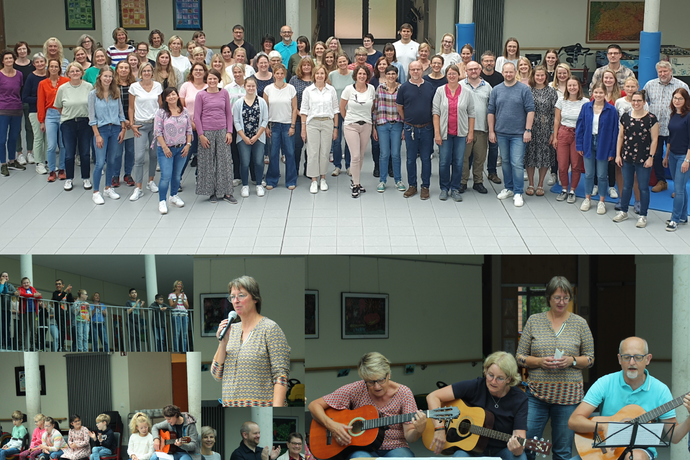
<point x="49" y="117"/>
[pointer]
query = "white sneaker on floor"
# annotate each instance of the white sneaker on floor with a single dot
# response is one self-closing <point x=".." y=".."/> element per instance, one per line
<point x="41" y="168"/>
<point x="551" y="180"/>
<point x="586" y="203"/>
<point x="236" y="182"/>
<point x="595" y="190"/>
<point x="641" y="222"/>
<point x="260" y="190"/>
<point x="323" y="184"/>
<point x="152" y="186"/>
<point x="314" y="187"/>
<point x="505" y="193"/>
<point x="87" y="184"/>
<point x="177" y="201"/>
<point x="97" y="198"/>
<point x="601" y="208"/>
<point x="30" y="158"/>
<point x="613" y="193"/>
<point x="111" y="193"/>
<point x="68" y="185"/>
<point x="620" y="216"/>
<point x="245" y="191"/>
<point x="21" y="159"/>
<point x="518" y="201"/>
<point x="163" y="207"/>
<point x="336" y="172"/>
<point x="136" y="194"/>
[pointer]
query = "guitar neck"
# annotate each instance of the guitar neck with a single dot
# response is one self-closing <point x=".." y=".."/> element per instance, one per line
<point x="392" y="420"/>
<point x="659" y="411"/>
<point x="493" y="434"/>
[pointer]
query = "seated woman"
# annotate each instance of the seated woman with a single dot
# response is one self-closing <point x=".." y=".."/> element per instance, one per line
<point x="208" y="439"/>
<point x="495" y="392"/>
<point x="294" y="448"/>
<point x="378" y="390"/>
<point x="78" y="445"/>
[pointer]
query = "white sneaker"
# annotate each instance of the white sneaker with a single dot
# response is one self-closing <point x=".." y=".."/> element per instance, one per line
<point x="518" y="201"/>
<point x="236" y="182"/>
<point x="524" y="175"/>
<point x="641" y="222"/>
<point x="97" y="198"/>
<point x="620" y="216"/>
<point x="505" y="193"/>
<point x="324" y="185"/>
<point x="136" y="194"/>
<point x="163" y="207"/>
<point x="152" y="186"/>
<point x="336" y="172"/>
<point x="586" y="203"/>
<point x="68" y="185"/>
<point x="314" y="187"/>
<point x="111" y="193"/>
<point x="158" y="168"/>
<point x="245" y="191"/>
<point x="30" y="158"/>
<point x="595" y="190"/>
<point x="87" y="184"/>
<point x="260" y="190"/>
<point x="551" y="180"/>
<point x="613" y="193"/>
<point x="41" y="168"/>
<point x="21" y="159"/>
<point x="601" y="208"/>
<point x="177" y="201"/>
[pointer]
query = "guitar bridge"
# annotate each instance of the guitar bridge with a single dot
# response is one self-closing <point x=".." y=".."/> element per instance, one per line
<point x="329" y="437"/>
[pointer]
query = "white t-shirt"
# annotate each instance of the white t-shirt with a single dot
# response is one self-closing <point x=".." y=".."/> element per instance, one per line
<point x="280" y="103"/>
<point x="570" y="110"/>
<point x="595" y="123"/>
<point x="359" y="105"/>
<point x="248" y="71"/>
<point x="623" y="106"/>
<point x="449" y="59"/>
<point x="501" y="60"/>
<point x="181" y="63"/>
<point x="406" y="53"/>
<point x="146" y="102"/>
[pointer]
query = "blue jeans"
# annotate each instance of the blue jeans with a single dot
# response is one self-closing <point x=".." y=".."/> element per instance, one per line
<point x="180" y="333"/>
<point x="512" y="162"/>
<point x="680" y="179"/>
<point x="161" y="338"/>
<point x="193" y="149"/>
<point x="390" y="142"/>
<point x="179" y="455"/>
<point x="492" y="158"/>
<point x="643" y="175"/>
<point x="451" y="155"/>
<point x="299" y="145"/>
<point x="171" y="172"/>
<point x="337" y="148"/>
<point x="5" y="452"/>
<point x="127" y="147"/>
<point x="537" y="416"/>
<point x="659" y="170"/>
<point x="399" y="452"/>
<point x="100" y="331"/>
<point x="106" y="154"/>
<point x="82" y="336"/>
<point x="504" y="454"/>
<point x="281" y="140"/>
<point x="56" y="454"/>
<point x="77" y="136"/>
<point x="251" y="155"/>
<point x="10" y="128"/>
<point x="53" y="139"/>
<point x="55" y="334"/>
<point x="97" y="451"/>
<point x="422" y="144"/>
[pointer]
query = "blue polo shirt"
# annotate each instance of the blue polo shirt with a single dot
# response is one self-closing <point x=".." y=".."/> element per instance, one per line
<point x="417" y="102"/>
<point x="286" y="50"/>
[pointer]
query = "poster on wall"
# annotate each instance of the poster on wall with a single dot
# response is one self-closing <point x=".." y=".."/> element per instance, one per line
<point x="604" y="23"/>
<point x="79" y="15"/>
<point x="134" y="14"/>
<point x="187" y="15"/>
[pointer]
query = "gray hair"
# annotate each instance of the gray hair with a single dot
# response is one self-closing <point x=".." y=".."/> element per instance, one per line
<point x="373" y="365"/>
<point x="556" y="283"/>
<point x="488" y="53"/>
<point x="250" y="285"/>
<point x="206" y="430"/>
<point x="664" y="64"/>
<point x="38" y="55"/>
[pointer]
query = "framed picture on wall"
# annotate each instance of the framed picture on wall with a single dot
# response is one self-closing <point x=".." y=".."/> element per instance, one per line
<point x="364" y="316"/>
<point x="604" y="24"/>
<point x="79" y="15"/>
<point x="215" y="308"/>
<point x="187" y="15"/>
<point x="134" y="14"/>
<point x="282" y="427"/>
<point x="311" y="314"/>
<point x="20" y="380"/>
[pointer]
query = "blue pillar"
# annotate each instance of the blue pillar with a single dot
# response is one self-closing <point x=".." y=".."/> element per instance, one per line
<point x="650" y="45"/>
<point x="464" y="34"/>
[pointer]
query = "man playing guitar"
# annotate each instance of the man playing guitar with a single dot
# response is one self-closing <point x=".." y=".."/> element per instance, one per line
<point x="183" y="425"/>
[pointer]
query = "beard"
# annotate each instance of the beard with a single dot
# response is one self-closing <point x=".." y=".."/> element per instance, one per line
<point x="632" y="374"/>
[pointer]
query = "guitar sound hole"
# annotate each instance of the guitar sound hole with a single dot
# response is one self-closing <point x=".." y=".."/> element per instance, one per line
<point x="357" y="427"/>
<point x="464" y="427"/>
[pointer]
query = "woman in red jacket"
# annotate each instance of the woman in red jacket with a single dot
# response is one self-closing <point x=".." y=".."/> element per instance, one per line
<point x="28" y="308"/>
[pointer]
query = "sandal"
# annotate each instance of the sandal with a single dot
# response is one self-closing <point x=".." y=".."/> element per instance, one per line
<point x="540" y="191"/>
<point x="530" y="190"/>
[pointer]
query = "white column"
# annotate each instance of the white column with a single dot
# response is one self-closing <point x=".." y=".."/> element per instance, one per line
<point x="292" y="17"/>
<point x="151" y="278"/>
<point x="26" y="266"/>
<point x="263" y="416"/>
<point x="680" y="372"/>
<point x="109" y="21"/>
<point x="465" y="11"/>
<point x="32" y="381"/>
<point x="651" y="15"/>
<point x="194" y="384"/>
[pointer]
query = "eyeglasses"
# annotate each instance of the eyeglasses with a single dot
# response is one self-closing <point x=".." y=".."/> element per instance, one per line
<point x="239" y="297"/>
<point x="371" y="383"/>
<point x="638" y="358"/>
<point x="296" y="444"/>
<point x="491" y="376"/>
<point x="678" y="98"/>
<point x="558" y="299"/>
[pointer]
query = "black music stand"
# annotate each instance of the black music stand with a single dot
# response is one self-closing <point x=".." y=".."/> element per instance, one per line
<point x="634" y="435"/>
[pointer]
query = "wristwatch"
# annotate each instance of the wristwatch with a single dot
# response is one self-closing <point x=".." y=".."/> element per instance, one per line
<point x="574" y="362"/>
<point x="528" y="131"/>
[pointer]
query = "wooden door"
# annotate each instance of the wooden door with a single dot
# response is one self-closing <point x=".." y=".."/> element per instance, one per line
<point x="179" y="385"/>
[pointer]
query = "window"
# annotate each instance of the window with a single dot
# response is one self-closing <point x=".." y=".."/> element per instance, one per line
<point x="353" y="19"/>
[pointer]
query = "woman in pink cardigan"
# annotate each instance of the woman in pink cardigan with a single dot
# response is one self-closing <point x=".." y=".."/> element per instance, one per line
<point x="78" y="446"/>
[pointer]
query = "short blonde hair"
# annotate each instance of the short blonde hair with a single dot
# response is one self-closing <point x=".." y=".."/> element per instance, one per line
<point x="17" y="415"/>
<point x="39" y="418"/>
<point x="373" y="365"/>
<point x="526" y="61"/>
<point x="79" y="68"/>
<point x="138" y="418"/>
<point x="506" y="362"/>
<point x="103" y="418"/>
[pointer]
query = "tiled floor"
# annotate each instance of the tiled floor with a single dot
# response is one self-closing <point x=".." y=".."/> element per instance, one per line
<point x="41" y="218"/>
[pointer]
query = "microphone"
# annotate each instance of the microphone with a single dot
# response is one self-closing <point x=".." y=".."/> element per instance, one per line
<point x="232" y="316"/>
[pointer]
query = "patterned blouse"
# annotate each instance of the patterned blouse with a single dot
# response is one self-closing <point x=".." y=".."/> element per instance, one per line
<point x="562" y="386"/>
<point x="385" y="107"/>
<point x="355" y="395"/>
<point x="300" y="85"/>
<point x="173" y="129"/>
<point x="253" y="367"/>
<point x="251" y="115"/>
<point x="81" y="439"/>
<point x="637" y="139"/>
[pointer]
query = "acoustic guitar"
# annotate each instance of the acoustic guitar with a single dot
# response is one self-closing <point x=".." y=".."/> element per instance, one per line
<point x="631" y="412"/>
<point x="473" y="429"/>
<point x="366" y="424"/>
<point x="168" y="439"/>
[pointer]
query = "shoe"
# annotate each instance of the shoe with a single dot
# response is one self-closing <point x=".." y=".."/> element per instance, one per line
<point x="540" y="191"/>
<point x="52" y="176"/>
<point x="637" y="207"/>
<point x="41" y="168"/>
<point x="136" y="194"/>
<point x="62" y="175"/>
<point x="97" y="198"/>
<point x="323" y="185"/>
<point x="163" y="207"/>
<point x="152" y="186"/>
<point x="463" y="188"/>
<point x="641" y="222"/>
<point x="30" y="158"/>
<point x="456" y="195"/>
<point x="128" y="180"/>
<point x="517" y="200"/>
<point x="336" y="172"/>
<point x="617" y="206"/>
<point x="671" y="226"/>
<point x="505" y="193"/>
<point x="381" y="187"/>
<point x="176" y="201"/>
<point x="571" y="197"/>
<point x="115" y="182"/>
<point x="400" y="186"/>
<point x="529" y="191"/>
<point x="499" y="161"/>
<point x="158" y="168"/>
<point x="411" y="191"/>
<point x="494" y="178"/>
<point x="355" y="191"/>
<point x="660" y="187"/>
<point x="282" y="158"/>
<point x="443" y="196"/>
<point x="551" y="180"/>
<point x="111" y="193"/>
<point x="586" y="203"/>
<point x="77" y="160"/>
<point x="349" y="173"/>
<point x="681" y="222"/>
<point x="268" y="187"/>
<point x="480" y="188"/>
<point x="267" y="160"/>
<point x="260" y="190"/>
<point x="87" y="184"/>
<point x="236" y="182"/>
<point x="194" y="163"/>
<point x="613" y="193"/>
<point x="330" y="157"/>
<point x="595" y="190"/>
<point x="314" y="187"/>
<point x="230" y="199"/>
<point x="377" y="172"/>
<point x="21" y="159"/>
<point x="68" y="185"/>
<point x="17" y="166"/>
<point x="244" y="193"/>
<point x="362" y="189"/>
<point x="524" y="176"/>
<point x="213" y="199"/>
<point x="562" y="196"/>
<point x="4" y="170"/>
<point x="425" y="193"/>
<point x="601" y="208"/>
<point x="291" y="187"/>
<point x="620" y="216"/>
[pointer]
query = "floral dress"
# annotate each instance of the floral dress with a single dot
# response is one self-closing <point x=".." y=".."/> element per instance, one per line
<point x="638" y="137"/>
<point x="81" y="439"/>
<point x="539" y="153"/>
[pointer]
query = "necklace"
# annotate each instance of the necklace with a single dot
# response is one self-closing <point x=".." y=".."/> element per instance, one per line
<point x="495" y="402"/>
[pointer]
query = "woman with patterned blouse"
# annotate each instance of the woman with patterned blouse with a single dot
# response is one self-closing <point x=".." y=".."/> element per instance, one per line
<point x="253" y="358"/>
<point x="555" y="346"/>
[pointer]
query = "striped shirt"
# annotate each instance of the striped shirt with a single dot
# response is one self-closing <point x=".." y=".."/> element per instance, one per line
<point x="117" y="55"/>
<point x="385" y="107"/>
<point x="659" y="98"/>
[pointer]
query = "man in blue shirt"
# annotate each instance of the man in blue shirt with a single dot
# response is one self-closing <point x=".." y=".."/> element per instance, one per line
<point x="632" y="385"/>
<point x="286" y="47"/>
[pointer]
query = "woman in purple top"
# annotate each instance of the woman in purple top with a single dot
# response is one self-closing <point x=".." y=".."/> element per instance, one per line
<point x="213" y="120"/>
<point x="11" y="112"/>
